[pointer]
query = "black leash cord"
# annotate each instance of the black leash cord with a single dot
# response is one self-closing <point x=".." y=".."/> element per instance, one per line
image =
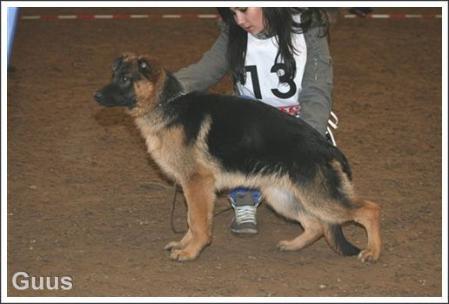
<point x="173" y="207"/>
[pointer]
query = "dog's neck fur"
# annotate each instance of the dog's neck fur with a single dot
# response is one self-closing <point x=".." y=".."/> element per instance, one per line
<point x="171" y="90"/>
<point x="156" y="119"/>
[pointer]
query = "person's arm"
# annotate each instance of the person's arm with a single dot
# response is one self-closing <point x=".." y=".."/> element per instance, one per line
<point x="316" y="95"/>
<point x="209" y="70"/>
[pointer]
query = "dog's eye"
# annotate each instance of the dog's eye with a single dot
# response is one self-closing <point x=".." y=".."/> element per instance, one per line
<point x="125" y="79"/>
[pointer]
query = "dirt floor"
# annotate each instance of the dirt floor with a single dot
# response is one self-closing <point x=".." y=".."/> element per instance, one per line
<point x="85" y="199"/>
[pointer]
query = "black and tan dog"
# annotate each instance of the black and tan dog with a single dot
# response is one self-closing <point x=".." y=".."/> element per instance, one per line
<point x="208" y="142"/>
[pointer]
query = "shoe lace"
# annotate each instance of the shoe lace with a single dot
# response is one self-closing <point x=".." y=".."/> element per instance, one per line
<point x="332" y="123"/>
<point x="245" y="214"/>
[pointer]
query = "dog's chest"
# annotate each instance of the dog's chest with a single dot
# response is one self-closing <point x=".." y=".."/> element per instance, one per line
<point x="168" y="149"/>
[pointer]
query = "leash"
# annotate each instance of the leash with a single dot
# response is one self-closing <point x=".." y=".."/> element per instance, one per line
<point x="173" y="207"/>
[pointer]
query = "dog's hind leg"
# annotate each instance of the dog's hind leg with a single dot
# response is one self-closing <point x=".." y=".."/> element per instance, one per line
<point x="368" y="215"/>
<point x="200" y="196"/>
<point x="330" y="197"/>
<point x="313" y="230"/>
<point x="284" y="203"/>
<point x="336" y="212"/>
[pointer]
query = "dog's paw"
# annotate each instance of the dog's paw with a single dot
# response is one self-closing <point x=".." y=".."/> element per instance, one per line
<point x="287" y="246"/>
<point x="182" y="255"/>
<point x="368" y="255"/>
<point x="173" y="245"/>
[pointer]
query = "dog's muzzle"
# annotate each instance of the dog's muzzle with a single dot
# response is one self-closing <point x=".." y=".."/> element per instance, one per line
<point x="101" y="99"/>
<point x="106" y="100"/>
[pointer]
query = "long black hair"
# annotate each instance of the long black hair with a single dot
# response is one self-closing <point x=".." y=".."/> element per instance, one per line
<point x="278" y="22"/>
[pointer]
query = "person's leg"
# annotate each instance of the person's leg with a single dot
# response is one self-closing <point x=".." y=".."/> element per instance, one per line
<point x="245" y="202"/>
<point x="332" y="14"/>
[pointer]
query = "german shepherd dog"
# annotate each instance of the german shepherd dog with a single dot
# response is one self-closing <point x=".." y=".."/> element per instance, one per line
<point x="208" y="142"/>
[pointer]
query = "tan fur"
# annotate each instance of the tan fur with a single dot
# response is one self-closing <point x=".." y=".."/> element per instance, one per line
<point x="147" y="91"/>
<point x="369" y="217"/>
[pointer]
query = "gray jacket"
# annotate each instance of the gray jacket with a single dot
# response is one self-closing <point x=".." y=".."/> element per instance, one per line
<point x="315" y="98"/>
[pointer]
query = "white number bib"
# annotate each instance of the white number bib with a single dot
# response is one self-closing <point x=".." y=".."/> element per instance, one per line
<point x="263" y="76"/>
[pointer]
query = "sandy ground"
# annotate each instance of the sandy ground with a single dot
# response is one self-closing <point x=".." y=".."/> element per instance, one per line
<point x="85" y="200"/>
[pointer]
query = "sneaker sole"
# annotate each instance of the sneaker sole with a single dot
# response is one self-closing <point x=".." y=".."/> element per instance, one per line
<point x="244" y="231"/>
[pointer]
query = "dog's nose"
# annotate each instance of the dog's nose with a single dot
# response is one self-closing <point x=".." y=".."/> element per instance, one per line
<point x="98" y="96"/>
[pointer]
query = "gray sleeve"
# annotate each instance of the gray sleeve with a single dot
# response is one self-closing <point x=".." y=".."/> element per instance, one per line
<point x="210" y="69"/>
<point x="317" y="83"/>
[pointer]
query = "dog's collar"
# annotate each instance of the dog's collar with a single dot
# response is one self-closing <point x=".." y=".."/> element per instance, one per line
<point x="169" y="100"/>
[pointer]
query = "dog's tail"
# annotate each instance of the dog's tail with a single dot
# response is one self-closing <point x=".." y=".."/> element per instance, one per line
<point x="338" y="242"/>
<point x="345" y="167"/>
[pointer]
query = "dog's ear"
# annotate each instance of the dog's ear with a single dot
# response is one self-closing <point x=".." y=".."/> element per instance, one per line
<point x="117" y="63"/>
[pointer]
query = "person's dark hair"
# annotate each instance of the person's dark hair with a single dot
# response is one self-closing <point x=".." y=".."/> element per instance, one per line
<point x="279" y="22"/>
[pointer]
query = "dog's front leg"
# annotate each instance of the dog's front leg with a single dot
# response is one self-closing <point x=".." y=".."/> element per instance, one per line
<point x="200" y="196"/>
<point x="180" y="244"/>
